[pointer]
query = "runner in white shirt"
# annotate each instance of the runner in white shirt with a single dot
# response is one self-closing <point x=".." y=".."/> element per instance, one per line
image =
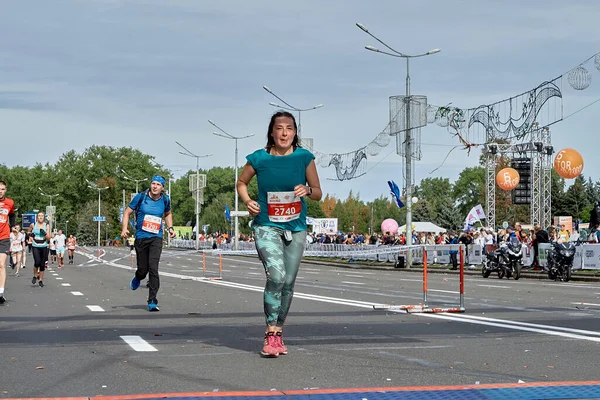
<point x="52" y="249"/>
<point x="17" y="242"/>
<point x="60" y="248"/>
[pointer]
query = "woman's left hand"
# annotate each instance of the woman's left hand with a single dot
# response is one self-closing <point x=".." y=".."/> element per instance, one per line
<point x="301" y="190"/>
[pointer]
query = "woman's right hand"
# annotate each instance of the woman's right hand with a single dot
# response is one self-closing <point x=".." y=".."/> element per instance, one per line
<point x="253" y="207"/>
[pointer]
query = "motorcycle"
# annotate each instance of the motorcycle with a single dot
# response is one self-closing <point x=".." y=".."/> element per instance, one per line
<point x="506" y="261"/>
<point x="514" y="256"/>
<point x="560" y="261"/>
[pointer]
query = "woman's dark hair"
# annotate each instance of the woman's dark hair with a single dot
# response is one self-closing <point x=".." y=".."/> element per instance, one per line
<point x="270" y="139"/>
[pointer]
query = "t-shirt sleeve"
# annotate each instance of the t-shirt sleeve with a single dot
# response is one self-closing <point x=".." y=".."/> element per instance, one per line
<point x="253" y="160"/>
<point x="168" y="204"/>
<point x="135" y="201"/>
<point x="308" y="158"/>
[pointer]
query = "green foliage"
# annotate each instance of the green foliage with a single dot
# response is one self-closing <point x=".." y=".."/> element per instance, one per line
<point x="469" y="189"/>
<point x="576" y="198"/>
<point x="439" y="200"/>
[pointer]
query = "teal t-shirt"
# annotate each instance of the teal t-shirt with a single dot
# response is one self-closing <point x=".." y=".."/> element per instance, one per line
<point x="277" y="176"/>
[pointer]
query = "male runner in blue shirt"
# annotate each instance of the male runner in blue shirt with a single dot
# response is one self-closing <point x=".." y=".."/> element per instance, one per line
<point x="150" y="207"/>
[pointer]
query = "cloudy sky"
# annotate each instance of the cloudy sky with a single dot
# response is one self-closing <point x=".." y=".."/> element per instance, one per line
<point x="146" y="73"/>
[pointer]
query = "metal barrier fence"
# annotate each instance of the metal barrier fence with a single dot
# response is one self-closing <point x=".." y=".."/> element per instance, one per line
<point x="587" y="256"/>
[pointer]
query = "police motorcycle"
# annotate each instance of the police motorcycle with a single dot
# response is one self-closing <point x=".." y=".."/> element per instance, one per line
<point x="506" y="261"/>
<point x="560" y="261"/>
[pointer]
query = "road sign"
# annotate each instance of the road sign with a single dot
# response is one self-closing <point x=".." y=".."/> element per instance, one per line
<point x="101" y="219"/>
<point x="239" y="213"/>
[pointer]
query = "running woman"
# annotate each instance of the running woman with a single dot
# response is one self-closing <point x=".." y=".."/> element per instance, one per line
<point x="17" y="243"/>
<point x="60" y="248"/>
<point x="39" y="247"/>
<point x="7" y="219"/>
<point x="71" y="243"/>
<point x="285" y="173"/>
<point x="52" y="249"/>
<point x="150" y="208"/>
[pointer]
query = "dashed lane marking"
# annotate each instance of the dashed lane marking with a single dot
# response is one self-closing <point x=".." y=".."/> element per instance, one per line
<point x="138" y="344"/>
<point x="77" y="293"/>
<point x="96" y="308"/>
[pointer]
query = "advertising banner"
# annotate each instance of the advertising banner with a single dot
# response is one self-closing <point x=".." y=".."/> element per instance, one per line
<point x="327" y="226"/>
<point x="591" y="256"/>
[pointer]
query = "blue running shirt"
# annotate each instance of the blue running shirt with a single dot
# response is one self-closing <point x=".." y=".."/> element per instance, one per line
<point x="148" y="221"/>
<point x="276" y="177"/>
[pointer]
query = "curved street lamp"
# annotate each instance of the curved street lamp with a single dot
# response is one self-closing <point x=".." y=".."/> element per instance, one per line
<point x="190" y="154"/>
<point x="408" y="141"/>
<point x="50" y="196"/>
<point x="227" y="135"/>
<point x="94" y="186"/>
<point x="289" y="107"/>
<point x="137" y="181"/>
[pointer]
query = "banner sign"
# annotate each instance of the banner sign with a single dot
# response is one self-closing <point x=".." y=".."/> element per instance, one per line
<point x="327" y="226"/>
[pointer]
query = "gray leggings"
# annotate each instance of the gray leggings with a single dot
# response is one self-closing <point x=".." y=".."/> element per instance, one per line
<point x="281" y="260"/>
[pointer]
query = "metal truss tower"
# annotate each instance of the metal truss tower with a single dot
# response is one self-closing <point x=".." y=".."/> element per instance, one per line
<point x="538" y="148"/>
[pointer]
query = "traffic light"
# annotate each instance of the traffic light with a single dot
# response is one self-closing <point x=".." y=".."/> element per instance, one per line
<point x="522" y="193"/>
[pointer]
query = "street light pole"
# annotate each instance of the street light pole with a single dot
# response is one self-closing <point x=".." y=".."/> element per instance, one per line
<point x="99" y="189"/>
<point x="137" y="181"/>
<point x="289" y="107"/>
<point x="408" y="142"/>
<point x="190" y="154"/>
<point x="236" y="138"/>
<point x="50" y="196"/>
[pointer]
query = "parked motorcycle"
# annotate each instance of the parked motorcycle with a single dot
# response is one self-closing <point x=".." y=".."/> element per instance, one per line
<point x="514" y="256"/>
<point x="506" y="261"/>
<point x="560" y="261"/>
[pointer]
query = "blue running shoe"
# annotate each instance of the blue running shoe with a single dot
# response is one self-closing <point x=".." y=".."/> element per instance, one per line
<point x="135" y="283"/>
<point x="153" y="307"/>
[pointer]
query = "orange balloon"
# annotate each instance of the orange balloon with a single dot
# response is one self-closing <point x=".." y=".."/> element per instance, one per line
<point x="508" y="178"/>
<point x="568" y="163"/>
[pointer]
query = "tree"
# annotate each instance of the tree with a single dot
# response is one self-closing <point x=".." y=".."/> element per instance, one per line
<point x="576" y="198"/>
<point x="557" y="191"/>
<point x="592" y="191"/>
<point x="469" y="189"/>
<point x="328" y="204"/>
<point x="448" y="217"/>
<point x="432" y="194"/>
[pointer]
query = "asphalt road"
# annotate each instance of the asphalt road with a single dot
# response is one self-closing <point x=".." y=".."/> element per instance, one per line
<point x="86" y="333"/>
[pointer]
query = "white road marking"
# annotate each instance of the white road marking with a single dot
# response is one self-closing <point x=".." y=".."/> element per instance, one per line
<point x="586" y="304"/>
<point x="353" y="276"/>
<point x="77" y="293"/>
<point x="496" y="286"/>
<point x="393" y="348"/>
<point x="65" y="284"/>
<point x="310" y="272"/>
<point x="138" y="344"/>
<point x="353" y="283"/>
<point x="59" y="279"/>
<point x="506" y="324"/>
<point x="443" y="291"/>
<point x="96" y="308"/>
<point x="254" y="273"/>
<point x="524" y="326"/>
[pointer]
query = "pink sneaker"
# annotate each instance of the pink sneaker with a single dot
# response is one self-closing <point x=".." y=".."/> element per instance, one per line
<point x="270" y="348"/>
<point x="280" y="345"/>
